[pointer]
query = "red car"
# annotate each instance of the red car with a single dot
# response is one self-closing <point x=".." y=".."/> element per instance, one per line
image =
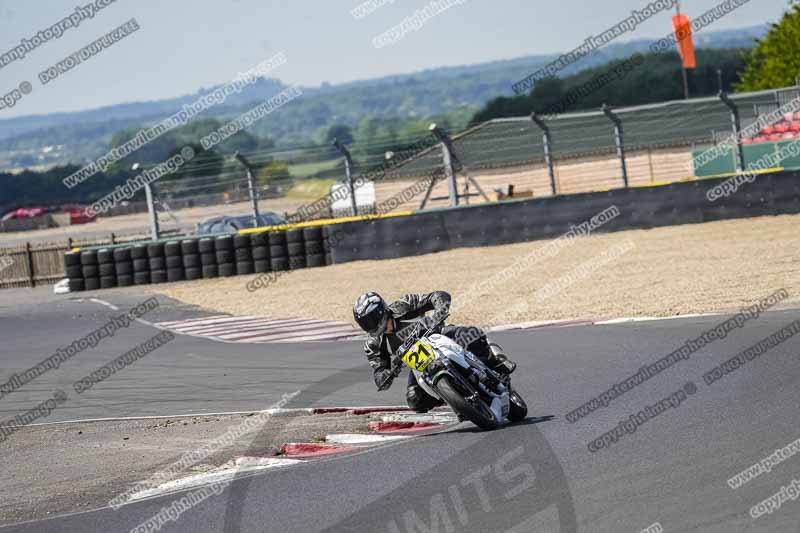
<point x="24" y="212"/>
<point x="77" y="213"/>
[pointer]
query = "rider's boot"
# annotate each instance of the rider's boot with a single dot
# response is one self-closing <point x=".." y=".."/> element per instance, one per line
<point x="420" y="401"/>
<point x="499" y="362"/>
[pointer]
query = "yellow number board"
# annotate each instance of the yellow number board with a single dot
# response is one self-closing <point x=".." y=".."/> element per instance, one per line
<point x="419" y="356"/>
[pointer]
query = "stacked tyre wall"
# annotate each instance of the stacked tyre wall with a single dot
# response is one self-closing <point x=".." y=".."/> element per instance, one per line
<point x="197" y="258"/>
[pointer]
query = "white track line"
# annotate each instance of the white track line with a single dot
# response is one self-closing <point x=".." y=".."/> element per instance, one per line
<point x="325" y="337"/>
<point x="531" y="324"/>
<point x="360" y="438"/>
<point x="650" y="318"/>
<point x="222" y="474"/>
<point x="422" y="418"/>
<point x="271" y="412"/>
<point x="115" y="308"/>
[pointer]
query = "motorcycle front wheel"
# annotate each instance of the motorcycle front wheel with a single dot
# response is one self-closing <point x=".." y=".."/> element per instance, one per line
<point x="479" y="414"/>
<point x="518" y="409"/>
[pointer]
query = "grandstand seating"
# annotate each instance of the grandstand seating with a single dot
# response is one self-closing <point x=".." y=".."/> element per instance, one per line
<point x="788" y="128"/>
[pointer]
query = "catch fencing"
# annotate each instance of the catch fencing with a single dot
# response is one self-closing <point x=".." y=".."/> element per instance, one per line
<point x="594" y="150"/>
<point x="508" y="157"/>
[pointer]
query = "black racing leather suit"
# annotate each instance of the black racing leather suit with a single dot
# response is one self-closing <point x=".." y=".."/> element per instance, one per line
<point x="404" y="311"/>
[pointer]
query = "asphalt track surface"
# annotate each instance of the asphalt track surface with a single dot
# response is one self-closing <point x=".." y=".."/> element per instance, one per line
<point x="534" y="476"/>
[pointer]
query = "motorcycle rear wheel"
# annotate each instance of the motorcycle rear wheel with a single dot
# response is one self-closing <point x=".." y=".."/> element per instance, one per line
<point x="479" y="414"/>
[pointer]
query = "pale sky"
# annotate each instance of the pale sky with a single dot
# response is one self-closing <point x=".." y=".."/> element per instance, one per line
<point x="187" y="44"/>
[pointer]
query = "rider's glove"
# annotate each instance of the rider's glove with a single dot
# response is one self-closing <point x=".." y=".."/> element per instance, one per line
<point x="428" y="322"/>
<point x="385" y="378"/>
<point x="396" y="371"/>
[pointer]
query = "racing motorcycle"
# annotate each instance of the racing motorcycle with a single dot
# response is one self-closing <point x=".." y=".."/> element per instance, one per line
<point x="449" y="372"/>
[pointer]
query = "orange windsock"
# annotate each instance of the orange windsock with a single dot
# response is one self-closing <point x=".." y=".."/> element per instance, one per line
<point x="683" y="34"/>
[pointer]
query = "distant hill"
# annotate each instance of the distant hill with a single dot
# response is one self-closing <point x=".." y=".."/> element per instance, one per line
<point x="60" y="138"/>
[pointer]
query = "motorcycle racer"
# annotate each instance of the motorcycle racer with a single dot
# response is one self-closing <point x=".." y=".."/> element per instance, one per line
<point x="385" y="324"/>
